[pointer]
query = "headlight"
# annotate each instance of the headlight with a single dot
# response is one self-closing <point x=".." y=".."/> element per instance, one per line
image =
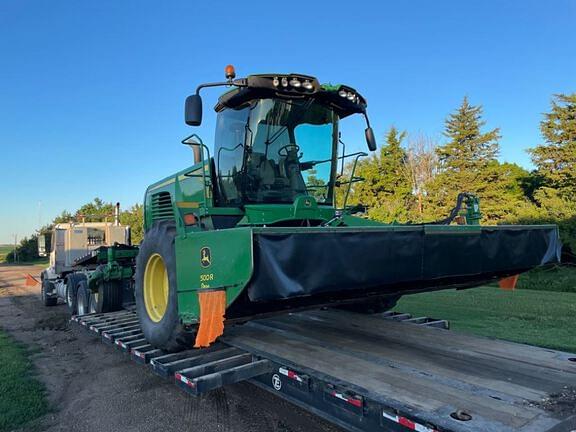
<point x="343" y="93"/>
<point x="276" y="82"/>
<point x="351" y="96"/>
<point x="284" y="82"/>
<point x="294" y="82"/>
<point x="307" y="85"/>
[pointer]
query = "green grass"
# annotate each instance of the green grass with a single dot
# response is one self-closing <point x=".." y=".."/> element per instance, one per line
<point x="22" y="397"/>
<point x="533" y="317"/>
<point x="5" y="250"/>
<point x="558" y="278"/>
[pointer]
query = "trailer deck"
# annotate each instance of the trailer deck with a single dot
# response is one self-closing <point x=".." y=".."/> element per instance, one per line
<point x="373" y="373"/>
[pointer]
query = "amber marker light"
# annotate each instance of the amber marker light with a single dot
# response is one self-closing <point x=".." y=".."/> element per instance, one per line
<point x="230" y="72"/>
<point x="190" y="219"/>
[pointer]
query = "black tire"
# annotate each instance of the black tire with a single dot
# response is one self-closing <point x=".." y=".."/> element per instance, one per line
<point x="44" y="290"/>
<point x="109" y="298"/>
<point x="72" y="281"/>
<point x="82" y="298"/>
<point x="167" y="333"/>
<point x="372" y="305"/>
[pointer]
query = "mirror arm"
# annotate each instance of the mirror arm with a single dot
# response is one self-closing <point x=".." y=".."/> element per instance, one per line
<point x="238" y="83"/>
<point x="366" y="118"/>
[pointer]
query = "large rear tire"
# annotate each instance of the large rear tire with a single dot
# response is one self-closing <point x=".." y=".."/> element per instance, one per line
<point x="156" y="289"/>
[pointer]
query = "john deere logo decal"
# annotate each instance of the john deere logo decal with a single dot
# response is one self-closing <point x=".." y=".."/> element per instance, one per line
<point x="205" y="257"/>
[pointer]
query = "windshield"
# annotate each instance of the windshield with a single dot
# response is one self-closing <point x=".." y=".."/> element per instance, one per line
<point x="275" y="150"/>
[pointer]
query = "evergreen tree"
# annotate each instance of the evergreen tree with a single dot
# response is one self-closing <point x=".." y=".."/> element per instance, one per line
<point x="386" y="189"/>
<point x="467" y="162"/>
<point x="554" y="182"/>
<point x="468" y="149"/>
<point x="556" y="159"/>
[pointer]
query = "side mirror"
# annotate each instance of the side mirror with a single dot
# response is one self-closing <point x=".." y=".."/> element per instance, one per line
<point x="370" y="140"/>
<point x="193" y="110"/>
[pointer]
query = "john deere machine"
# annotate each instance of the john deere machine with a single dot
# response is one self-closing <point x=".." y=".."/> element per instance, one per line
<point x="253" y="229"/>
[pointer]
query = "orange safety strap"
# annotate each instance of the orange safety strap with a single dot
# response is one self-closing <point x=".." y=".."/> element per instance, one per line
<point x="508" y="283"/>
<point x="212" y="309"/>
<point x="31" y="280"/>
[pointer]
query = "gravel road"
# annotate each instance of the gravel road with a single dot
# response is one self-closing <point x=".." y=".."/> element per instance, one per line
<point x="92" y="387"/>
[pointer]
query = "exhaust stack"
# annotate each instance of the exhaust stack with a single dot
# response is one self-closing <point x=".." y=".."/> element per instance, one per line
<point x="117" y="214"/>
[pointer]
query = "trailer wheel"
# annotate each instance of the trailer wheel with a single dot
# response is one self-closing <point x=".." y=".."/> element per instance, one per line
<point x="109" y="297"/>
<point x="372" y="305"/>
<point x="83" y="298"/>
<point x="93" y="302"/>
<point x="44" y="290"/>
<point x="156" y="290"/>
<point x="72" y="281"/>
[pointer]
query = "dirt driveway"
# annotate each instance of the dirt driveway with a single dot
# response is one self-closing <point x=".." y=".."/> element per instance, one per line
<point x="93" y="387"/>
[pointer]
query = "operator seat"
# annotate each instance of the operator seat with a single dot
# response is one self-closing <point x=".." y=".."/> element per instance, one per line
<point x="290" y="169"/>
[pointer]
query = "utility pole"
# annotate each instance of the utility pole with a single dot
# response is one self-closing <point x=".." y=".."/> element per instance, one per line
<point x="15" y="248"/>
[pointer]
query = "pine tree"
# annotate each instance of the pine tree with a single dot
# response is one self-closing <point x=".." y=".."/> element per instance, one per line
<point x="386" y="189"/>
<point x="467" y="162"/>
<point x="468" y="149"/>
<point x="556" y="159"/>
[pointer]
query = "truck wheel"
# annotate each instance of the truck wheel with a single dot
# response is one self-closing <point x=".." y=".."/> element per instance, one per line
<point x="72" y="281"/>
<point x="372" y="306"/>
<point x="45" y="290"/>
<point x="83" y="298"/>
<point x="156" y="290"/>
<point x="109" y="297"/>
<point x="93" y="302"/>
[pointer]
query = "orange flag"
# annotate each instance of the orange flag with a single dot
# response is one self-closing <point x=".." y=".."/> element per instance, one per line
<point x="508" y="283"/>
<point x="30" y="280"/>
<point x="212" y="309"/>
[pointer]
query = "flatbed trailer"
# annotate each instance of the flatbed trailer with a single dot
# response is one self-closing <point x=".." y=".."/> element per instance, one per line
<point x="386" y="372"/>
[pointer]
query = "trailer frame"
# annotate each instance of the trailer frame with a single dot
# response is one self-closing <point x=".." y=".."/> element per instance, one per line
<point x="239" y="357"/>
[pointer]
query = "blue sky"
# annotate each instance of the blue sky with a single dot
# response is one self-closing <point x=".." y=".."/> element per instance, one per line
<point x="91" y="92"/>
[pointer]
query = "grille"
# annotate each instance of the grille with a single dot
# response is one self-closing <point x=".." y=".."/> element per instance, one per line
<point x="162" y="206"/>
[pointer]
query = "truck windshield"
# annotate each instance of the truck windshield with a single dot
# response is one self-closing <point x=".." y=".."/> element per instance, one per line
<point x="275" y="150"/>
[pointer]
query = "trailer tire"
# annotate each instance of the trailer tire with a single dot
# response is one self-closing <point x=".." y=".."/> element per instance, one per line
<point x="156" y="289"/>
<point x="72" y="281"/>
<point x="82" y="298"/>
<point x="93" y="300"/>
<point x="372" y="305"/>
<point x="110" y="296"/>
<point x="47" y="299"/>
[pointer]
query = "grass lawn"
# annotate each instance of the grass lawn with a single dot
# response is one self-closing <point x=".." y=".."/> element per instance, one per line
<point x="5" y="250"/>
<point x="22" y="397"/>
<point x="543" y="318"/>
<point x="557" y="278"/>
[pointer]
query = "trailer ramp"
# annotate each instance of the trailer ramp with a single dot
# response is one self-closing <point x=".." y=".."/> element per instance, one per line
<point x="388" y="372"/>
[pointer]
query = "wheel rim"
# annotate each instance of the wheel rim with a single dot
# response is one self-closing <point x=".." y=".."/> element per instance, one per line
<point x="156" y="288"/>
<point x="81" y="305"/>
<point x="93" y="302"/>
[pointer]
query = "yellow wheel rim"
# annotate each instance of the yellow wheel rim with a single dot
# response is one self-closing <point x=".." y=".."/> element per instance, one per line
<point x="156" y="288"/>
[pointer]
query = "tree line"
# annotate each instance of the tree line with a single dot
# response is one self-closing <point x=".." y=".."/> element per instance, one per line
<point x="414" y="179"/>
